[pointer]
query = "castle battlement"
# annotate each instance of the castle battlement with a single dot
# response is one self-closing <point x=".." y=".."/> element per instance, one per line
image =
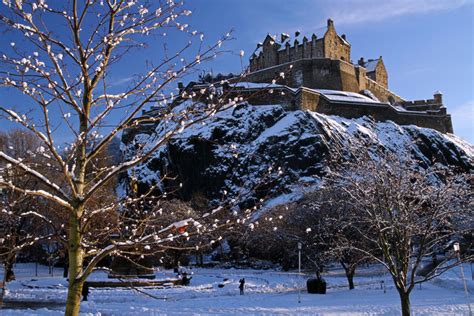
<point x="276" y="51"/>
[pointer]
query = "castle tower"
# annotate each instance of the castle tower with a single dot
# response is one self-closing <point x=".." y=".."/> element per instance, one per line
<point x="335" y="46"/>
<point x="438" y="97"/>
<point x="269" y="50"/>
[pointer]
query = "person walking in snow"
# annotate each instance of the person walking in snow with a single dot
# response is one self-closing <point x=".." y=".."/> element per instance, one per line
<point x="241" y="286"/>
<point x="85" y="291"/>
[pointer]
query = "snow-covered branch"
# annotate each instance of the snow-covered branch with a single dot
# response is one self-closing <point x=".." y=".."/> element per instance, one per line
<point x="39" y="193"/>
<point x="43" y="179"/>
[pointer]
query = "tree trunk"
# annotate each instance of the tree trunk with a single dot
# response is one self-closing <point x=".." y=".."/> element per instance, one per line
<point x="350" y="279"/>
<point x="75" y="255"/>
<point x="350" y="271"/>
<point x="65" y="269"/>
<point x="199" y="259"/>
<point x="75" y="250"/>
<point x="318" y="274"/>
<point x="9" y="273"/>
<point x="405" y="302"/>
<point x="3" y="282"/>
<point x="74" y="293"/>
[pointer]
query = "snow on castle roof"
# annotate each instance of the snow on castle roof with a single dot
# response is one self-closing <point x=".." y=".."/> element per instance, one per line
<point x="371" y="64"/>
<point x="332" y="95"/>
<point x="253" y="85"/>
<point x="336" y="95"/>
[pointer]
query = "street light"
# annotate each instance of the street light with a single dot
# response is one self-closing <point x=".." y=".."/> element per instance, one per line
<point x="457" y="250"/>
<point x="299" y="269"/>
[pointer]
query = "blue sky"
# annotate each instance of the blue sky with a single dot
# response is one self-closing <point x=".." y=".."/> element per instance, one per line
<point x="427" y="45"/>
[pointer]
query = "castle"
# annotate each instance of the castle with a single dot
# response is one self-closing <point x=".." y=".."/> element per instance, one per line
<point x="318" y="74"/>
<point x="370" y="74"/>
<point x="322" y="77"/>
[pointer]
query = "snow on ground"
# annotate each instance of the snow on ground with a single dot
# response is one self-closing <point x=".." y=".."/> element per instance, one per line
<point x="268" y="292"/>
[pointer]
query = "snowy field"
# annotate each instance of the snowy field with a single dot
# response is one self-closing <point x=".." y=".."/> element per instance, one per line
<point x="267" y="293"/>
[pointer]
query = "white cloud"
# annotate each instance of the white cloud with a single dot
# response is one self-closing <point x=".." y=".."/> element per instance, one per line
<point x="463" y="120"/>
<point x="119" y="82"/>
<point x="359" y="11"/>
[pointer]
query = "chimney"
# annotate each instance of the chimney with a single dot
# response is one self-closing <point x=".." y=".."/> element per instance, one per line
<point x="330" y="23"/>
<point x="361" y="62"/>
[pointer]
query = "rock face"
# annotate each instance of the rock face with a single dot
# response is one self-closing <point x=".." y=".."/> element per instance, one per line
<point x="255" y="151"/>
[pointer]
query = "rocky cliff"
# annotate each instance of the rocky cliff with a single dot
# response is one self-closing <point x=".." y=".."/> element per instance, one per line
<point x="254" y="151"/>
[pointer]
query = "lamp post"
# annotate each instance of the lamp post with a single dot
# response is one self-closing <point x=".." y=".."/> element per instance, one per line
<point x="457" y="250"/>
<point x="299" y="270"/>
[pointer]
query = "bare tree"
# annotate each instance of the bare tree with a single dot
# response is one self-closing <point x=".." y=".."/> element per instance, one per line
<point x="323" y="213"/>
<point x="20" y="223"/>
<point x="404" y="214"/>
<point x="315" y="221"/>
<point x="65" y="61"/>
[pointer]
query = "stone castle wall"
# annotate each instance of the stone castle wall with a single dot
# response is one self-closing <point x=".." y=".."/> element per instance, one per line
<point x="382" y="93"/>
<point x="323" y="73"/>
<point x="308" y="49"/>
<point x="307" y="99"/>
<point x="380" y="112"/>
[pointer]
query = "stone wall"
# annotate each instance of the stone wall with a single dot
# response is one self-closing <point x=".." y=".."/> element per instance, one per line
<point x="324" y="73"/>
<point x="282" y="95"/>
<point x="424" y="105"/>
<point x="308" y="100"/>
<point x="348" y="75"/>
<point x="382" y="93"/>
<point x="439" y="121"/>
<point x="305" y="98"/>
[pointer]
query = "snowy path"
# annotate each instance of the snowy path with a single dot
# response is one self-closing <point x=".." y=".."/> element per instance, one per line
<point x="267" y="293"/>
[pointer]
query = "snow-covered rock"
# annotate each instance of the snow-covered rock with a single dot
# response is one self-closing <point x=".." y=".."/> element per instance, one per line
<point x="256" y="151"/>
